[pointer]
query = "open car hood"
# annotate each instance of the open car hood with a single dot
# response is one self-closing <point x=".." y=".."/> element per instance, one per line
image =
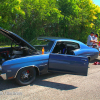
<point x="15" y="38"/>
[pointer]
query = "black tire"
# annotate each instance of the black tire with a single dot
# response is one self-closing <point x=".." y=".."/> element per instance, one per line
<point x="89" y="59"/>
<point x="26" y="76"/>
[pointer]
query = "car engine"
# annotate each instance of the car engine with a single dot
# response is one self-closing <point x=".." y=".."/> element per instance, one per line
<point x="15" y="52"/>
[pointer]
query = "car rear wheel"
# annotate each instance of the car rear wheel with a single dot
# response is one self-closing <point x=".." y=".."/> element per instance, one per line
<point x="88" y="58"/>
<point x="26" y="76"/>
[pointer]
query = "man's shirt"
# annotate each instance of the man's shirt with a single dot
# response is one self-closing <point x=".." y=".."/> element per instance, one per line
<point x="89" y="39"/>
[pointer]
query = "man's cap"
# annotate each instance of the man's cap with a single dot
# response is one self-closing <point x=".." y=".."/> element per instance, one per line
<point x="92" y="32"/>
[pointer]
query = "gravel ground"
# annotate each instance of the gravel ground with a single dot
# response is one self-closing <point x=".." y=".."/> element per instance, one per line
<point x="56" y="87"/>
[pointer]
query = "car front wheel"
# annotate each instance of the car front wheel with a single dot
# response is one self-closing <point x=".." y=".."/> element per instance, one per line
<point x="26" y="76"/>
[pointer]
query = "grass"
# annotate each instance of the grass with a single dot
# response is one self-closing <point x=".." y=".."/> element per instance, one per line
<point x="5" y="46"/>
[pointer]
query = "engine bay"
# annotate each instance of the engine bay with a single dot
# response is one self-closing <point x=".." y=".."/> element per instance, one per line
<point x="8" y="53"/>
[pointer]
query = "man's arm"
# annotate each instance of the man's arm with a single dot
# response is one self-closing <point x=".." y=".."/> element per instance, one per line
<point x="96" y="40"/>
<point x="92" y="40"/>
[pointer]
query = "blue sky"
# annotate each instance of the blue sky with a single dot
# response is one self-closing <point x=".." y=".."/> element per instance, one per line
<point x="97" y="2"/>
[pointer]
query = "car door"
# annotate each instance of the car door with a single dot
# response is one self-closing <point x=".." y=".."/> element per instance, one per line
<point x="68" y="63"/>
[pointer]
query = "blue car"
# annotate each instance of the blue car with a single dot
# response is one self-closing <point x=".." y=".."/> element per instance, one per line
<point x="23" y="61"/>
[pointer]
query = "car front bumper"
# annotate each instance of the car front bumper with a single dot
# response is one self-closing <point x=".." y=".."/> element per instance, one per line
<point x="3" y="75"/>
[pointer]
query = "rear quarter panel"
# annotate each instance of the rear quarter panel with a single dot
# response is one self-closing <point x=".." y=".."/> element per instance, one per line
<point x="86" y="51"/>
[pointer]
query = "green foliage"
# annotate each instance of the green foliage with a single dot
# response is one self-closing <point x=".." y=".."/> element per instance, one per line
<point x="9" y="10"/>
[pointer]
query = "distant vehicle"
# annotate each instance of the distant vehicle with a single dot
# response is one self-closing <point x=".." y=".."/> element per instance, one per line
<point x="23" y="61"/>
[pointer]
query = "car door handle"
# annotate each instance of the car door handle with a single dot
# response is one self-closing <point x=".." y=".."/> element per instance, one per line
<point x="84" y="59"/>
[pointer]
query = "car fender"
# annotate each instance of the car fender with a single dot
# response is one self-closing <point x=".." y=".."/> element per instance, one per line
<point x="27" y="67"/>
<point x="11" y="68"/>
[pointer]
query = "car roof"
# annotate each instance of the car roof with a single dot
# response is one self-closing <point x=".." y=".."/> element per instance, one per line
<point x="59" y="39"/>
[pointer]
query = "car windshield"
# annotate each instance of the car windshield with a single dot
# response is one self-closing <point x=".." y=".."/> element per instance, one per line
<point x="40" y="43"/>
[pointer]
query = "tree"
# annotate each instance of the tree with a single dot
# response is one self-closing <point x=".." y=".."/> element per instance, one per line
<point x="39" y="16"/>
<point x="9" y="10"/>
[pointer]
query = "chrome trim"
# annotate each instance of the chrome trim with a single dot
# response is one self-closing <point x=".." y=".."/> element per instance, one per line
<point x="43" y="65"/>
<point x="4" y="76"/>
<point x="25" y="67"/>
<point x="9" y="70"/>
<point x="53" y="46"/>
<point x="84" y="59"/>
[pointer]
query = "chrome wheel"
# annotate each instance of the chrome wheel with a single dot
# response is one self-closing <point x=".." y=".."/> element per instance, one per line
<point x="26" y="76"/>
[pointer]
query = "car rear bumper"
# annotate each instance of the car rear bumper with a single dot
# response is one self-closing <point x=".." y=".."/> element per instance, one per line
<point x="3" y="75"/>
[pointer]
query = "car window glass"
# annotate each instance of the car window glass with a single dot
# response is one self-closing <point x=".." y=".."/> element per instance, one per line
<point x="73" y="44"/>
<point x="65" y="47"/>
<point x="39" y="43"/>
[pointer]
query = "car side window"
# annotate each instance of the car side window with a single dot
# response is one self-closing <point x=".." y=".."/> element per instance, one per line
<point x="65" y="47"/>
<point x="71" y="46"/>
<point x="60" y="48"/>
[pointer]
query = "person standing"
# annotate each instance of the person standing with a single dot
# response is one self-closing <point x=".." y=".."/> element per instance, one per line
<point x="96" y="41"/>
<point x="90" y="40"/>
